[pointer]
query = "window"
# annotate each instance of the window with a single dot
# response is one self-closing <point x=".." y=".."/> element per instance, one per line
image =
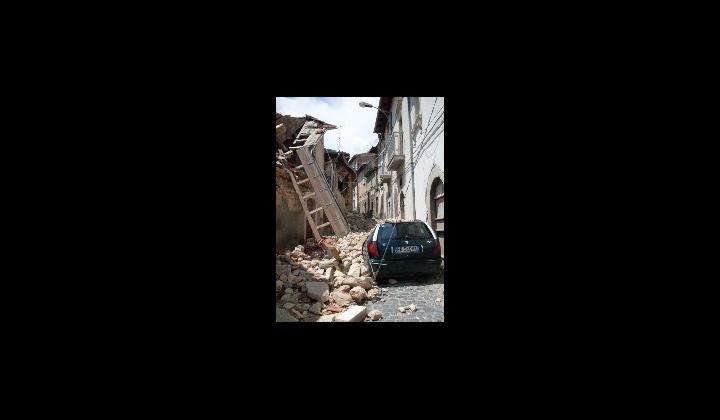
<point x="399" y="130"/>
<point x="408" y="230"/>
<point x="400" y="180"/>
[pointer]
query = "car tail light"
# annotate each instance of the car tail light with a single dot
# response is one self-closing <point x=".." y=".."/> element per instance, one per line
<point x="372" y="250"/>
<point x="437" y="248"/>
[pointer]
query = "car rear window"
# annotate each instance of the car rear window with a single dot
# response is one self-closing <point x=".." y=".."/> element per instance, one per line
<point x="403" y="230"/>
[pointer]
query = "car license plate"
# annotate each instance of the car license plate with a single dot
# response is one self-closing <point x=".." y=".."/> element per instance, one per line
<point x="407" y="249"/>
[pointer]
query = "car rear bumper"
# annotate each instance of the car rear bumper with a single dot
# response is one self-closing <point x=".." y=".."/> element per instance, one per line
<point x="407" y="267"/>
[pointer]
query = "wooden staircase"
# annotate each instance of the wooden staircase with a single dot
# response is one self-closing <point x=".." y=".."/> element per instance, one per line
<point x="320" y="192"/>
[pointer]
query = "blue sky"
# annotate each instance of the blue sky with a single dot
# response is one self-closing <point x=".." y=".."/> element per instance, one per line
<point x="355" y="124"/>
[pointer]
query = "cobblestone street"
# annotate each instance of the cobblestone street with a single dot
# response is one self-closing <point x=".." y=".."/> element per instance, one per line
<point x="422" y="291"/>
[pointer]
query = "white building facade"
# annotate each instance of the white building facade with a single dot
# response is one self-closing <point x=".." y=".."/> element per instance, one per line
<point x="411" y="160"/>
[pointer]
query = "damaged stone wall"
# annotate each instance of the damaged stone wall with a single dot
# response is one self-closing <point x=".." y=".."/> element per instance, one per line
<point x="289" y="215"/>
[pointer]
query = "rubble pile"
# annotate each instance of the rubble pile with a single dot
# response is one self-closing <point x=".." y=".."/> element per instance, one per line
<point x="322" y="286"/>
<point x="359" y="223"/>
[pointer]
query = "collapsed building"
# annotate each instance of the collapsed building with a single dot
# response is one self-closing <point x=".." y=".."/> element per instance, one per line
<point x="320" y="274"/>
<point x="296" y="199"/>
<point x="342" y="178"/>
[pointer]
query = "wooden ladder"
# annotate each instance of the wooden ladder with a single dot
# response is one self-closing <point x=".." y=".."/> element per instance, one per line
<point x="321" y="191"/>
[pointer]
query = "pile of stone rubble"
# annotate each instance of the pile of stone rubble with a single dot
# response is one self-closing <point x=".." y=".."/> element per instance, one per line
<point x="359" y="223"/>
<point x="325" y="288"/>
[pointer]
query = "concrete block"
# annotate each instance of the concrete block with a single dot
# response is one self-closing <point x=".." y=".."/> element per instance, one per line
<point x="318" y="290"/>
<point x="353" y="314"/>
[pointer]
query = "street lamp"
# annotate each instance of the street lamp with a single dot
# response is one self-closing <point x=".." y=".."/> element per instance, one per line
<point x="367" y="105"/>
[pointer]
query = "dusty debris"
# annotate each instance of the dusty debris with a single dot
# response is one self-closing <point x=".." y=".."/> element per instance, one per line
<point x="375" y="315"/>
<point x="365" y="282"/>
<point x="326" y="264"/>
<point x="332" y="250"/>
<point x="350" y="281"/>
<point x="359" y="223"/>
<point x="317" y="254"/>
<point x="408" y="308"/>
<point x="354" y="270"/>
<point x="318" y="290"/>
<point x="358" y="294"/>
<point x="282" y="268"/>
<point x="342" y="298"/>
<point x="333" y="307"/>
<point x="392" y="281"/>
<point x="327" y="278"/>
<point x="316" y="308"/>
<point x="281" y="315"/>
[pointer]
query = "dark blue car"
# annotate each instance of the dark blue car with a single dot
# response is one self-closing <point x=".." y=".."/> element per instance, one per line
<point x="402" y="249"/>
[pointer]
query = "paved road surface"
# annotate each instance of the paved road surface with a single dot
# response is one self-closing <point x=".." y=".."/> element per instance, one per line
<point x="421" y="290"/>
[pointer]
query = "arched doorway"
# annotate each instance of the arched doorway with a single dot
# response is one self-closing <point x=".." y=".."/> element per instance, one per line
<point x="437" y="210"/>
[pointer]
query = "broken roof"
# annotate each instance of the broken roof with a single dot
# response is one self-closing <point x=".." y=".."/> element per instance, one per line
<point x="334" y="153"/>
<point x="359" y="155"/>
<point x="342" y="158"/>
<point x="323" y="124"/>
<point x="294" y="124"/>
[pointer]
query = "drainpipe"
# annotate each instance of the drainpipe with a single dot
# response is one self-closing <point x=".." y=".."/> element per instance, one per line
<point x="412" y="164"/>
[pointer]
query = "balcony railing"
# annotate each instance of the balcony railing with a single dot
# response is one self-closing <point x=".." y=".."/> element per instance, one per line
<point x="394" y="152"/>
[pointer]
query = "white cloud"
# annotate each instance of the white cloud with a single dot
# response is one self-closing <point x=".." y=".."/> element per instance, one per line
<point x="355" y="124"/>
